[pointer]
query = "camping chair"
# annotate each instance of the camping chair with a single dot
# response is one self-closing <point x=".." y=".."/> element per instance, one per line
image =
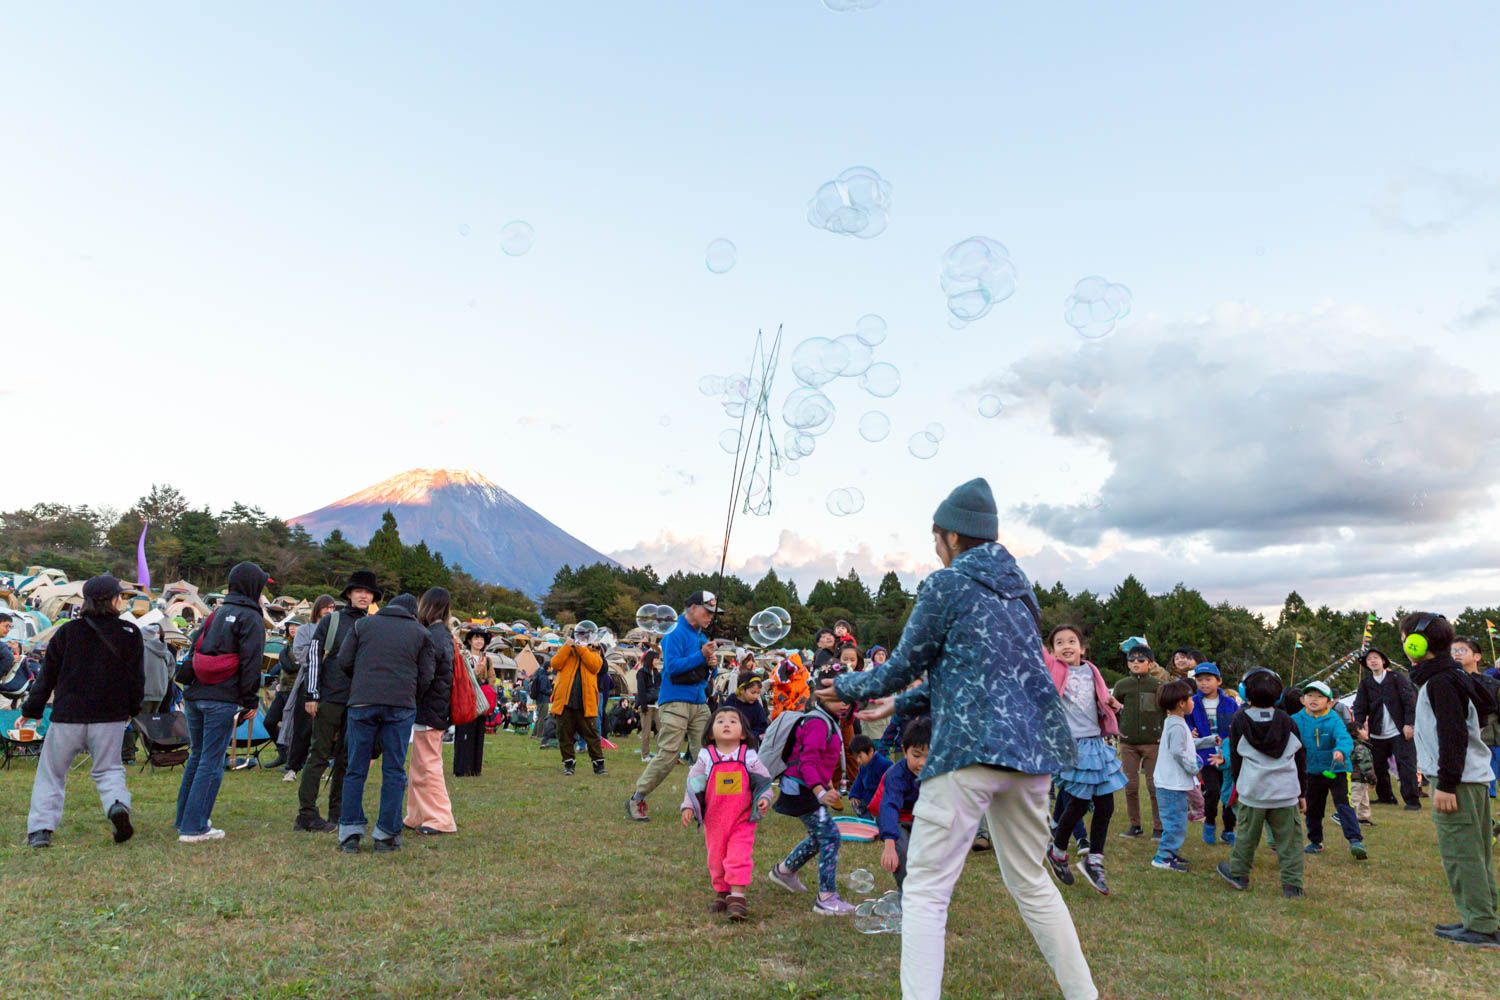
<point x="165" y="737"/>
<point x="253" y="736"/>
<point x="12" y="746"/>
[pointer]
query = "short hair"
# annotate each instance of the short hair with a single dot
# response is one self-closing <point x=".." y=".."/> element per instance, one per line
<point x="1472" y="643"/>
<point x="1065" y="627"/>
<point x="1172" y="694"/>
<point x="847" y="626"/>
<point x="1262" y="688"/>
<point x="1195" y="655"/>
<point x="918" y="733"/>
<point x="1438" y="631"/>
<point x="861" y="744"/>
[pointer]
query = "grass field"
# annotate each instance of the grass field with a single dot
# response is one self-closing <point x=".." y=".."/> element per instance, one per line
<point x="548" y="892"/>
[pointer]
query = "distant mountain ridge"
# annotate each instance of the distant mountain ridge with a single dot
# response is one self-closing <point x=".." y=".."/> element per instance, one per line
<point x="470" y="520"/>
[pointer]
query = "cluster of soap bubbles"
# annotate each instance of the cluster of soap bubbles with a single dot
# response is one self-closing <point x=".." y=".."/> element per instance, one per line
<point x="516" y="237"/>
<point x="1096" y="306"/>
<point x="736" y="393"/>
<point x="819" y="360"/>
<point x="855" y="203"/>
<point x="879" y="916"/>
<point x="845" y="501"/>
<point x="720" y="256"/>
<point x="976" y="273"/>
<point x="770" y="626"/>
<point x="658" y="619"/>
<point x="924" y="443"/>
<point x="807" y="412"/>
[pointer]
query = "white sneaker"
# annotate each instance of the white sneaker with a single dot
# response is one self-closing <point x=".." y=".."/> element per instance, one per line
<point x="289" y="776"/>
<point x="198" y="838"/>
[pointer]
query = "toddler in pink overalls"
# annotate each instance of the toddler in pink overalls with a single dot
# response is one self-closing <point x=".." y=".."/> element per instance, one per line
<point x="728" y="789"/>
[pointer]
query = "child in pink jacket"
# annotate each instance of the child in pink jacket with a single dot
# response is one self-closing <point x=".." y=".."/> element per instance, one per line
<point x="728" y="789"/>
<point x="808" y="793"/>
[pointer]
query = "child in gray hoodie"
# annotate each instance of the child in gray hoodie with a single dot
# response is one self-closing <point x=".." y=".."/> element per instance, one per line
<point x="1269" y="765"/>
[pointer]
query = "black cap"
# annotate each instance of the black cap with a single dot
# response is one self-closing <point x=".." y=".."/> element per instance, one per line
<point x="704" y="599"/>
<point x="101" y="588"/>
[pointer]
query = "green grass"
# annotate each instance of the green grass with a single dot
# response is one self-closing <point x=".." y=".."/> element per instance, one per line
<point x="548" y="892"/>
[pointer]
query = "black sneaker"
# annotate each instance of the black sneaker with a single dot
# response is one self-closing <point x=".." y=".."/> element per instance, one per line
<point x="119" y="815"/>
<point x="568" y="769"/>
<point x="43" y="838"/>
<point x="349" y="845"/>
<point x="387" y="846"/>
<point x="1133" y="832"/>
<point x="1239" y="883"/>
<point x="1448" y="928"/>
<point x="1461" y="936"/>
<point x="1058" y="862"/>
<point x="1367" y="822"/>
<point x="316" y="824"/>
<point x="1093" y="870"/>
<point x="599" y="767"/>
<point x="1291" y="892"/>
<point x="1083" y="845"/>
<point x="1413" y="807"/>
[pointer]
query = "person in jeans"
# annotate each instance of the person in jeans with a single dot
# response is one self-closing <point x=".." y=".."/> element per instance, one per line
<point x="1385" y="708"/>
<point x="1140" y="719"/>
<point x="213" y="710"/>
<point x="389" y="663"/>
<point x="688" y="664"/>
<point x="998" y="733"/>
<point x="94" y="672"/>
<point x="647" y="687"/>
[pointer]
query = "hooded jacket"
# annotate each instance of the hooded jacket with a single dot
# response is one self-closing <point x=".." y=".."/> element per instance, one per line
<point x="1268" y="761"/>
<point x="1322" y="735"/>
<point x="94" y="671"/>
<point x="647" y="685"/>
<point x="1394" y="698"/>
<point x="570" y="662"/>
<point x="1450" y="704"/>
<point x="974" y="631"/>
<point x="388" y="658"/>
<point x="236" y="626"/>
<point x="436" y="707"/>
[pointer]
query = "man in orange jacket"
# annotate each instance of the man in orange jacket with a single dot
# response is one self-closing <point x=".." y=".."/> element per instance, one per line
<point x="575" y="701"/>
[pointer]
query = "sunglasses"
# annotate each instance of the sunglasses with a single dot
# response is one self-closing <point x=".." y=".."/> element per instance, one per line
<point x="1137" y="659"/>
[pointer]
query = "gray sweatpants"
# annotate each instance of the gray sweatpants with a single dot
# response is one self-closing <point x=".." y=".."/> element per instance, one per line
<point x="64" y="741"/>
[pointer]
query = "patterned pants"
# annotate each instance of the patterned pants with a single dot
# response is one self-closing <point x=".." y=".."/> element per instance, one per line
<point x="823" y="840"/>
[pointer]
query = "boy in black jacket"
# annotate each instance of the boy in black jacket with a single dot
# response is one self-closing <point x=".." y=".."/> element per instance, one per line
<point x="1450" y="704"/>
<point x="1385" y="707"/>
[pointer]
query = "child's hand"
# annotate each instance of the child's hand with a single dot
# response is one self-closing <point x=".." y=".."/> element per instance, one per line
<point x="889" y="859"/>
<point x="764" y="803"/>
<point x="687" y="817"/>
<point x="1338" y="756"/>
<point x="1217" y="760"/>
<point x="858" y="805"/>
<point x="1302" y="805"/>
<point x="1115" y="704"/>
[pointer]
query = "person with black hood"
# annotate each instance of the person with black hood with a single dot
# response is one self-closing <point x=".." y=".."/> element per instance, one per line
<point x="327" y="698"/>
<point x="222" y="673"/>
<point x="389" y="662"/>
<point x="95" y="674"/>
<point x="1385" y="707"/>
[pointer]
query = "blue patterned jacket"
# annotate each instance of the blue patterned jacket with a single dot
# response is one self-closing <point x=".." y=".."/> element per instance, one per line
<point x="974" y="633"/>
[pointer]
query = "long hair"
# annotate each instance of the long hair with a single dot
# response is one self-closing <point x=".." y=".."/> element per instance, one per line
<point x="434" y="606"/>
<point x="649" y="657"/>
<point x="322" y="606"/>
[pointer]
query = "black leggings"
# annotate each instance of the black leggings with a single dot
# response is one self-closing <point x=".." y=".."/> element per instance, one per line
<point x="1213" y="788"/>
<point x="1104" y="810"/>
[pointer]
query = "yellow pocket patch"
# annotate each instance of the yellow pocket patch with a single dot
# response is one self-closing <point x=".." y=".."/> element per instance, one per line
<point x="729" y="783"/>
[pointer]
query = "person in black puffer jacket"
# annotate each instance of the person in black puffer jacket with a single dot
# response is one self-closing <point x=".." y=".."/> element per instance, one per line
<point x="95" y="674"/>
<point x="389" y="664"/>
<point x="236" y="627"/>
<point x="428" y="808"/>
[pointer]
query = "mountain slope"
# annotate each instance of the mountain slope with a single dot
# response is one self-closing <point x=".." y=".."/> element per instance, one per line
<point x="470" y="520"/>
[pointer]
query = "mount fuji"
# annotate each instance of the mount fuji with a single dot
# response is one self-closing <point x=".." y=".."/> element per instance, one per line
<point x="471" y="521"/>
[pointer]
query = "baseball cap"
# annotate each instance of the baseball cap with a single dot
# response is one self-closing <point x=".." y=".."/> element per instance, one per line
<point x="1207" y="668"/>
<point x="1320" y="687"/>
<point x="706" y="599"/>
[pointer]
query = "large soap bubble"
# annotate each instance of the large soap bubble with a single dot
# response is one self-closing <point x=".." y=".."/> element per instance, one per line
<point x="975" y="274"/>
<point x="861" y="881"/>
<point x="934" y="431"/>
<point x="585" y="631"/>
<point x="768" y="628"/>
<point x="846" y="501"/>
<point x="871" y="329"/>
<point x="809" y="362"/>
<point x="874" y="426"/>
<point x="922" y="445"/>
<point x="1096" y="306"/>
<point x="516" y="237"/>
<point x="856" y="203"/>
<point x="881" y="379"/>
<point x="858" y="355"/>
<point x="720" y="256"/>
<point x="658" y="619"/>
<point x="713" y="385"/>
<point x="990" y="406"/>
<point x="808" y="410"/>
<point x="729" y="440"/>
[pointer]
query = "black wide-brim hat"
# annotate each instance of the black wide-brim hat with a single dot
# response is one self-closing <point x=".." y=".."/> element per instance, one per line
<point x="361" y="579"/>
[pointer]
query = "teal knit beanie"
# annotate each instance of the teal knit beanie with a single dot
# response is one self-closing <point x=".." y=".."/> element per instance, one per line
<point x="970" y="510"/>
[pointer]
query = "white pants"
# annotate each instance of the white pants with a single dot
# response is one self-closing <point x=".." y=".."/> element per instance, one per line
<point x="63" y="742"/>
<point x="945" y="819"/>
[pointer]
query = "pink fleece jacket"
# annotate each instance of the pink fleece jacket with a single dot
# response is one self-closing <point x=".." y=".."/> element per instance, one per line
<point x="1107" y="723"/>
<point x="819" y="747"/>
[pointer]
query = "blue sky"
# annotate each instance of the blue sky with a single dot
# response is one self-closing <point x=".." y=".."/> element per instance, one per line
<point x="237" y="232"/>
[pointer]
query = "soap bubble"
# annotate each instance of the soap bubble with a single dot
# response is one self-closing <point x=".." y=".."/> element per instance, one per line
<point x="1093" y="501"/>
<point x="881" y="379"/>
<point x="808" y="362"/>
<point x="934" y="431"/>
<point x="729" y="440"/>
<point x="808" y="410"/>
<point x="713" y="385"/>
<point x="791" y="468"/>
<point x="858" y="355"/>
<point x="516" y="237"/>
<point x="874" y="426"/>
<point x="658" y="619"/>
<point x="990" y="406"/>
<point x="834" y="357"/>
<point x="665" y="421"/>
<point x="861" y="881"/>
<point x="769" y="626"/>
<point x="922" y="445"/>
<point x="856" y="203"/>
<point x="585" y="631"/>
<point x="463" y="230"/>
<point x="799" y="444"/>
<point x="720" y="256"/>
<point x="1096" y="306"/>
<point x="846" y="6"/>
<point x="870" y="329"/>
<point x="975" y="274"/>
<point x="846" y="501"/>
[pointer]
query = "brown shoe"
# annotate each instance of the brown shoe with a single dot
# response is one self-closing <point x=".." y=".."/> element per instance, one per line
<point x="720" y="903"/>
<point x="737" y="909"/>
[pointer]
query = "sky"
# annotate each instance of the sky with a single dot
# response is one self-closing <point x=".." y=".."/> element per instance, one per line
<point x="260" y="247"/>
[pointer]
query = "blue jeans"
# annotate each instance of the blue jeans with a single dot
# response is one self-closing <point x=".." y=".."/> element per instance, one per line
<point x="362" y="727"/>
<point x="210" y="727"/>
<point x="1174" y="813"/>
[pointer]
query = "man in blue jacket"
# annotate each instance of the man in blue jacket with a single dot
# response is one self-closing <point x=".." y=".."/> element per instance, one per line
<point x="688" y="662"/>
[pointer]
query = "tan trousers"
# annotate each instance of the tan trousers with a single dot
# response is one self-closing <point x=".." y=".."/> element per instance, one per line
<point x="648" y="723"/>
<point x="944" y="822"/>
<point x="427" y="802"/>
<point x="679" y="721"/>
<point x="1359" y="798"/>
<point x="1139" y="759"/>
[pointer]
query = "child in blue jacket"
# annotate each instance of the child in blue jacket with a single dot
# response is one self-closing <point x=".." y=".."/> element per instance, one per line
<point x="872" y="766"/>
<point x="1212" y="715"/>
<point x="1329" y="749"/>
<point x="898" y="797"/>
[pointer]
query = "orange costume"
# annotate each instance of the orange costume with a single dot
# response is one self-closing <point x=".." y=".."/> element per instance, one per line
<point x="790" y="690"/>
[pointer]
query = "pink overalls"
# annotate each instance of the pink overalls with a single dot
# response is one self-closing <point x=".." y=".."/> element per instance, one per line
<point x="727" y="830"/>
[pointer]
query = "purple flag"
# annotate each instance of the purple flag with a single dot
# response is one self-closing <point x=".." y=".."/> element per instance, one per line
<point x="142" y="571"/>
